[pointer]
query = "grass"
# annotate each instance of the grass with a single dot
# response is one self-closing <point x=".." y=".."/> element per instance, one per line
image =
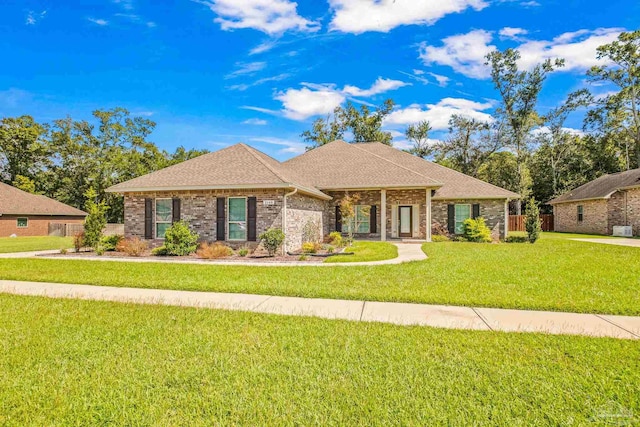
<point x="367" y="251"/>
<point x="38" y="243"/>
<point x="71" y="362"/>
<point x="554" y="274"/>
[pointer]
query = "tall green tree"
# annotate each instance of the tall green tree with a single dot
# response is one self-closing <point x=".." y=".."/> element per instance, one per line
<point x="519" y="91"/>
<point x="418" y="135"/>
<point x="24" y="149"/>
<point x="501" y="169"/>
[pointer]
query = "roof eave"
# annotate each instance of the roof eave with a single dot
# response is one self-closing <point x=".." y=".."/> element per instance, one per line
<point x="381" y="187"/>
<point x="587" y="199"/>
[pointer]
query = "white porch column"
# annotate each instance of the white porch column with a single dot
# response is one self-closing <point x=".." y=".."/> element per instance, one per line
<point x="428" y="215"/>
<point x="383" y="215"/>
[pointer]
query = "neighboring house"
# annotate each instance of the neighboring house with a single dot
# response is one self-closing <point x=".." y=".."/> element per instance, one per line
<point x="26" y="214"/>
<point x="236" y="193"/>
<point x="598" y="206"/>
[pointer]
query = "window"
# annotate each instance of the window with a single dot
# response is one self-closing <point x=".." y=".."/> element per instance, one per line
<point x="580" y="213"/>
<point x="23" y="222"/>
<point x="237" y="218"/>
<point x="163" y="216"/>
<point x="463" y="212"/>
<point x="361" y="222"/>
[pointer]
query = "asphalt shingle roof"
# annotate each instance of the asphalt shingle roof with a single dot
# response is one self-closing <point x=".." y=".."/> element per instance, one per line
<point x="17" y="202"/>
<point x="601" y="188"/>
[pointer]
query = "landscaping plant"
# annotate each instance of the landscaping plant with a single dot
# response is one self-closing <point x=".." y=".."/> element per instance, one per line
<point x="96" y="220"/>
<point x="272" y="239"/>
<point x="214" y="251"/>
<point x="532" y="221"/>
<point x="132" y="247"/>
<point x="180" y="240"/>
<point x="109" y="243"/>
<point x="309" y="248"/>
<point x="78" y="241"/>
<point x="335" y="239"/>
<point x="476" y="230"/>
<point x="243" y="251"/>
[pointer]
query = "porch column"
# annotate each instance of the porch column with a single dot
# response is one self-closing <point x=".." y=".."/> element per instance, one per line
<point x="383" y="215"/>
<point x="428" y="215"/>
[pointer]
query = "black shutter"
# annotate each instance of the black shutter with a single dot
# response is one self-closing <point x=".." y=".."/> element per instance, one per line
<point x="373" y="219"/>
<point x="338" y="220"/>
<point x="476" y="211"/>
<point x="251" y="219"/>
<point x="176" y="210"/>
<point x="220" y="218"/>
<point x="451" y="218"/>
<point x="148" y="219"/>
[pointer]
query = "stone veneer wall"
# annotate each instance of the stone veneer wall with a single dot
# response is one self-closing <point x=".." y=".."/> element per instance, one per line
<point x="492" y="210"/>
<point x="596" y="217"/>
<point x="304" y="215"/>
<point x="199" y="209"/>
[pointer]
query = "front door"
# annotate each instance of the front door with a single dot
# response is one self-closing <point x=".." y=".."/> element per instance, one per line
<point x="406" y="219"/>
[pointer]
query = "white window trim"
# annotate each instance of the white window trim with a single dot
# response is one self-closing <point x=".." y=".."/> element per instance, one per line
<point x="245" y="222"/>
<point x="155" y="217"/>
<point x="22" y="217"/>
<point x="455" y="220"/>
<point x="355" y="225"/>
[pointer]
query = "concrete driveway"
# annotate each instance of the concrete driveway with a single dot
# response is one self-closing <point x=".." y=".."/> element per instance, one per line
<point x="617" y="241"/>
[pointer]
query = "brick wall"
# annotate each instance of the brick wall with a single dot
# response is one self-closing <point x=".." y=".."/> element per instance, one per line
<point x="595" y="219"/>
<point x="367" y="198"/>
<point x="199" y="209"/>
<point x="415" y="198"/>
<point x="305" y="220"/>
<point x="36" y="226"/>
<point x="493" y="211"/>
<point x="624" y="209"/>
<point x="633" y="210"/>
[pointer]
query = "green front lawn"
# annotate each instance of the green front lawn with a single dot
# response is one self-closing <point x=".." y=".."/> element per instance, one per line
<point x="367" y="251"/>
<point x="67" y="362"/>
<point x="554" y="274"/>
<point x="29" y="244"/>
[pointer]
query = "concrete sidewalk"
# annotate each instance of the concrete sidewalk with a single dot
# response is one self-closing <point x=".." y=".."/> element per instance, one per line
<point x="617" y="242"/>
<point x="625" y="327"/>
<point x="406" y="252"/>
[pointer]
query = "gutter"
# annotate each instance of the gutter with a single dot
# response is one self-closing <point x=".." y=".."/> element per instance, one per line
<point x="284" y="217"/>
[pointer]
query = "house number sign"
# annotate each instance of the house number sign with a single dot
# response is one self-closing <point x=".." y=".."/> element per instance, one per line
<point x="268" y="202"/>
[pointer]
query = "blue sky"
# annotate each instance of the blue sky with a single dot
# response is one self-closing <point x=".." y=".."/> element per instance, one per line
<point x="215" y="72"/>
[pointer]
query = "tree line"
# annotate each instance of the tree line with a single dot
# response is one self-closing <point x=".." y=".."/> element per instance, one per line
<point x="70" y="159"/>
<point x="523" y="149"/>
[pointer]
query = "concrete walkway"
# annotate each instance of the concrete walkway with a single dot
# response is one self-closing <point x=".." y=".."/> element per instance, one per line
<point x="483" y="319"/>
<point x="406" y="252"/>
<point x="617" y="242"/>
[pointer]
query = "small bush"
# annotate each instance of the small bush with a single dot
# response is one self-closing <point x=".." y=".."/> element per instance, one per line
<point x="330" y="249"/>
<point x="532" y="221"/>
<point x="110" y="243"/>
<point x="99" y="250"/>
<point x="78" y="241"/>
<point x="180" y="240"/>
<point x="272" y="239"/>
<point x="436" y="238"/>
<point x="63" y="251"/>
<point x="476" y="230"/>
<point x="214" y="251"/>
<point x="516" y="239"/>
<point x="243" y="251"/>
<point x="132" y="247"/>
<point x="303" y="257"/>
<point x="311" y="247"/>
<point x="335" y="238"/>
<point x="159" y="251"/>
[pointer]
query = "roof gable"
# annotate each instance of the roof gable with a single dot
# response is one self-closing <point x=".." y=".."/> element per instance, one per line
<point x="14" y="201"/>
<point x="601" y="188"/>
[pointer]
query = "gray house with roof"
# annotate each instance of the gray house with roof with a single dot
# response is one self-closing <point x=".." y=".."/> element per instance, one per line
<point x="600" y="205"/>
<point x="236" y="193"/>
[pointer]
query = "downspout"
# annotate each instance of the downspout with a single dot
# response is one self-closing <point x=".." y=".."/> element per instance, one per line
<point x="284" y="218"/>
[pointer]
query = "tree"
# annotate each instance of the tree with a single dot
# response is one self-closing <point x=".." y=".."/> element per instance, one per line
<point x="418" y="135"/>
<point x="501" y="169"/>
<point x="96" y="220"/>
<point x="620" y="112"/>
<point x="532" y="221"/>
<point x="364" y="124"/>
<point x="519" y="91"/>
<point x="469" y="145"/>
<point x="349" y="215"/>
<point x="25" y="184"/>
<point x="23" y="147"/>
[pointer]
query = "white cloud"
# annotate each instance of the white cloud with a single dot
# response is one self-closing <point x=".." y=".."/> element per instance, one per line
<point x="125" y="4"/>
<point x="33" y="17"/>
<point x="465" y="53"/>
<point x="380" y="86"/>
<point x="255" y="122"/>
<point x="359" y="16"/>
<point x="268" y="16"/>
<point x="442" y="80"/>
<point x="511" y="33"/>
<point x="300" y="104"/>
<point x="151" y="24"/>
<point x="418" y="72"/>
<point x="246" y="68"/>
<point x="263" y="47"/>
<point x="439" y="114"/>
<point x="100" y="22"/>
<point x="245" y="86"/>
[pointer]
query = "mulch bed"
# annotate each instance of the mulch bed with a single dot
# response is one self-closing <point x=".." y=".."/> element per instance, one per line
<point x="230" y="259"/>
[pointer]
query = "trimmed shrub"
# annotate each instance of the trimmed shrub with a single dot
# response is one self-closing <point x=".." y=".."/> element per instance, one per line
<point x="476" y="230"/>
<point x="243" y="251"/>
<point x="78" y="241"/>
<point x="180" y="240"/>
<point x="436" y="238"/>
<point x="532" y="221"/>
<point x="214" y="251"/>
<point x="516" y="239"/>
<point x="109" y="243"/>
<point x="159" y="251"/>
<point x="272" y="239"/>
<point x="309" y="248"/>
<point x="335" y="238"/>
<point x="132" y="247"/>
